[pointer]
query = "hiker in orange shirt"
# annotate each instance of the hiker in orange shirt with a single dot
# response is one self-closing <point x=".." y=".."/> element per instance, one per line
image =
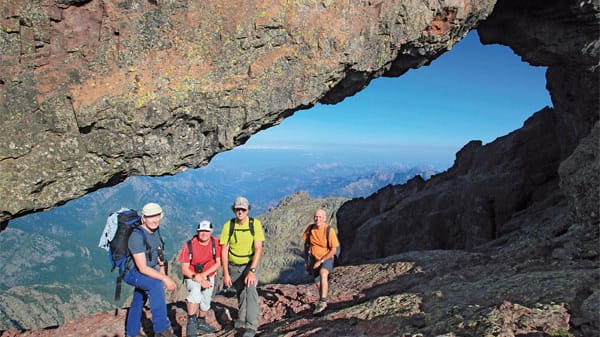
<point x="321" y="245"/>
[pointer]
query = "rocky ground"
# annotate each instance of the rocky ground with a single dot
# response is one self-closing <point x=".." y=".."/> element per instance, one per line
<point x="429" y="293"/>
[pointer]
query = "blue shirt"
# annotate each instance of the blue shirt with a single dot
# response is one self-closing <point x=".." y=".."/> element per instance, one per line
<point x="137" y="245"/>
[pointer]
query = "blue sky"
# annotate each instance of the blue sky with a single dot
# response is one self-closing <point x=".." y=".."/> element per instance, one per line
<point x="472" y="92"/>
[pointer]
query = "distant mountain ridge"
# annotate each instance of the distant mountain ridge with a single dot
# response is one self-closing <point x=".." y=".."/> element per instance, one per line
<point x="207" y="194"/>
<point x="26" y="258"/>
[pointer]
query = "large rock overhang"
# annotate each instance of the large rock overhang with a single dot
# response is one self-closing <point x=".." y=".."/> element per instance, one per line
<point x="95" y="91"/>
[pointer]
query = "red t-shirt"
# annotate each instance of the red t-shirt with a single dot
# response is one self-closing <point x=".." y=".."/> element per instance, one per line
<point x="202" y="254"/>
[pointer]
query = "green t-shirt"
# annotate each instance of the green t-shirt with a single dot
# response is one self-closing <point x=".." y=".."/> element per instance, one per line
<point x="241" y="244"/>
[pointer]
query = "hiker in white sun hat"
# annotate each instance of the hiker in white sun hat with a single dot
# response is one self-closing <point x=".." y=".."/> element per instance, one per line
<point x="149" y="275"/>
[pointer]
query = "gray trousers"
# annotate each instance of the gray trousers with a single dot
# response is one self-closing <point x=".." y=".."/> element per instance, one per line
<point x="248" y="306"/>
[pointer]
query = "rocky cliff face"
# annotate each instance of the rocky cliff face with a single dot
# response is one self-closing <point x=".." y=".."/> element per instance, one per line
<point x="529" y="198"/>
<point x="95" y="91"/>
<point x="27" y="307"/>
<point x="489" y="187"/>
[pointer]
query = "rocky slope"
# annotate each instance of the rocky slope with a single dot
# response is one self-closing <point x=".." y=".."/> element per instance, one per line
<point x="25" y="257"/>
<point x="433" y="293"/>
<point x="52" y="305"/>
<point x="529" y="198"/>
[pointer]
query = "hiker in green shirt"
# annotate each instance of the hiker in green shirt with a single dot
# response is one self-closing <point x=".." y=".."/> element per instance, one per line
<point x="242" y="240"/>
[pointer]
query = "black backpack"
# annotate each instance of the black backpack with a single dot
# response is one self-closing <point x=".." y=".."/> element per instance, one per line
<point x="128" y="221"/>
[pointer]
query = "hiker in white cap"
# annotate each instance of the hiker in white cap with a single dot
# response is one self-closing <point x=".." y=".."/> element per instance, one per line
<point x="242" y="240"/>
<point x="148" y="276"/>
<point x="200" y="259"/>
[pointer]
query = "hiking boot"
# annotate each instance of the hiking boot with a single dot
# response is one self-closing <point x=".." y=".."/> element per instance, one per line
<point x="166" y="333"/>
<point x="203" y="326"/>
<point x="249" y="333"/>
<point x="191" y="329"/>
<point x="321" y="305"/>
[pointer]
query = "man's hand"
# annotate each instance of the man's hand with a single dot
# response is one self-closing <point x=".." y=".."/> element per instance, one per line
<point x="227" y="281"/>
<point x="317" y="264"/>
<point x="250" y="279"/>
<point x="169" y="284"/>
<point x="205" y="283"/>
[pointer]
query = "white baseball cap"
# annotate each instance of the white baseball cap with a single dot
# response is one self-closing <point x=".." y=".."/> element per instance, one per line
<point x="205" y="225"/>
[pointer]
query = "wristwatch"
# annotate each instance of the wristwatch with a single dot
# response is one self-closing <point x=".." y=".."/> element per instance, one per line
<point x="322" y="261"/>
<point x="253" y="270"/>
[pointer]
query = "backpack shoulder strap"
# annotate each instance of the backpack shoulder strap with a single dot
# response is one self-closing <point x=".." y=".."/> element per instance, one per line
<point x="189" y="246"/>
<point x="307" y="241"/>
<point x="162" y="242"/>
<point x="146" y="243"/>
<point x="231" y="228"/>
<point x="337" y="251"/>
<point x="214" y="248"/>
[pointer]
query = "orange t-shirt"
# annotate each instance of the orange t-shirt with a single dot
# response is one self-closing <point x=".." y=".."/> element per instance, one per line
<point x="318" y="240"/>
